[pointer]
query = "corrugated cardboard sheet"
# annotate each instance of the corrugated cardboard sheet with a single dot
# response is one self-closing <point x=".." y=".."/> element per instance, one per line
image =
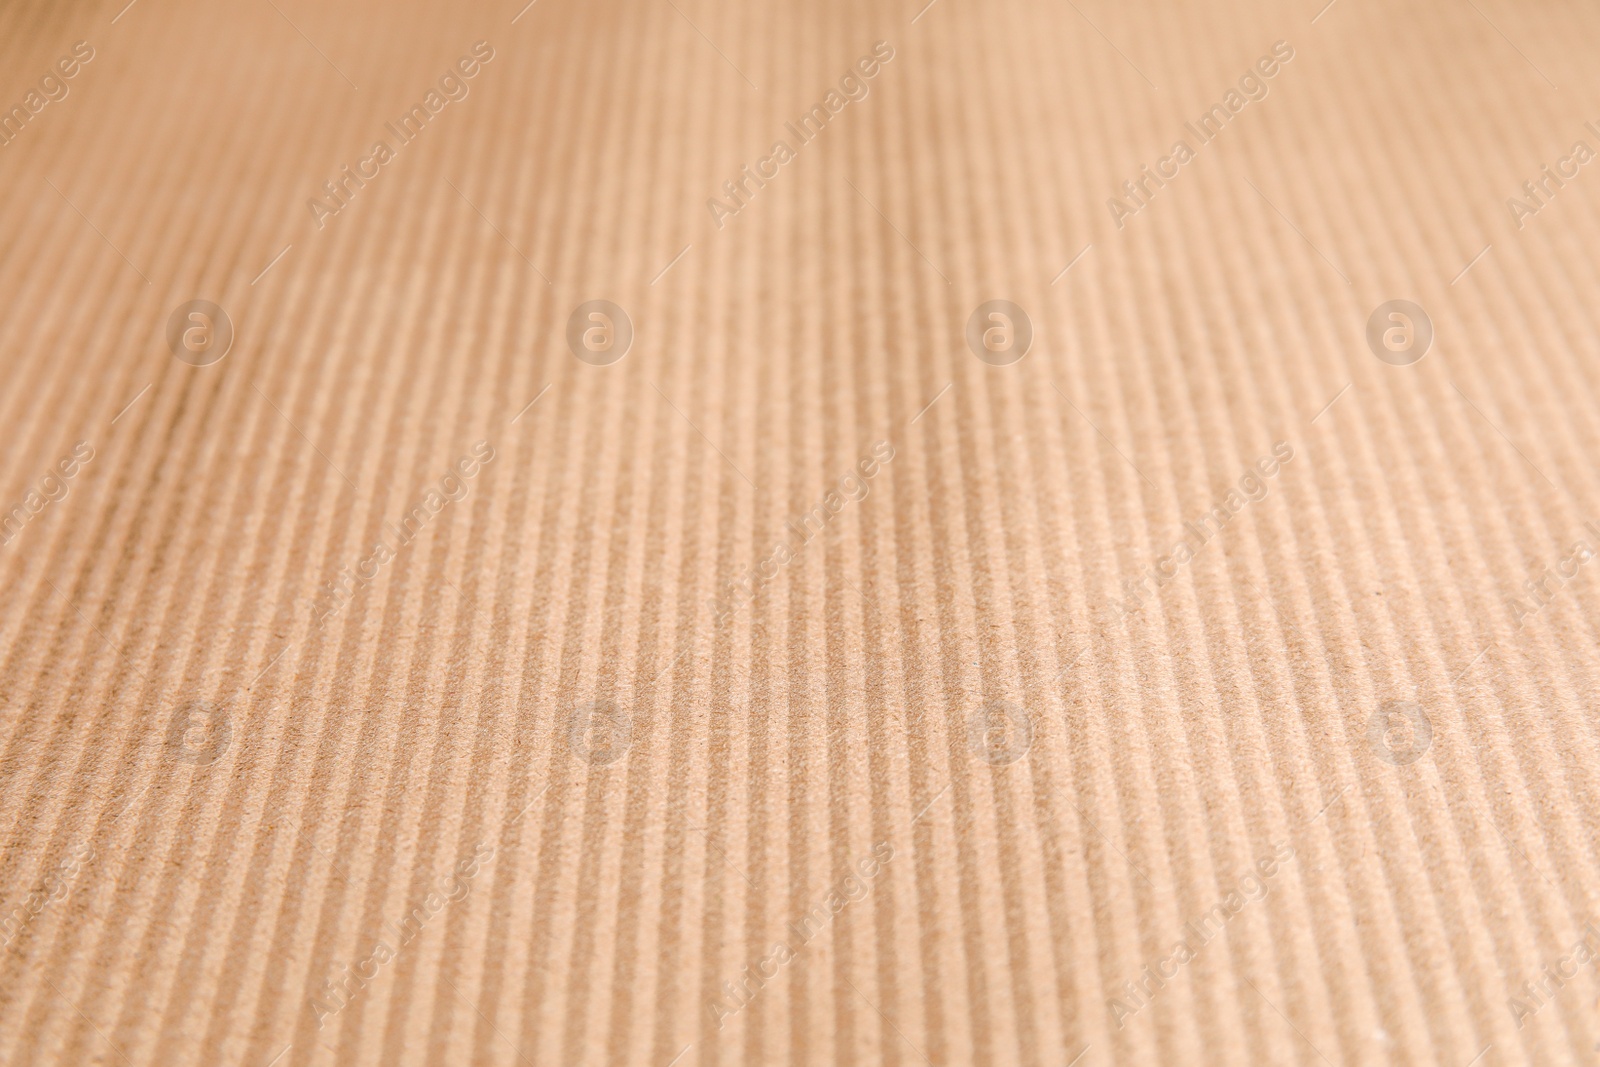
<point x="998" y="579"/>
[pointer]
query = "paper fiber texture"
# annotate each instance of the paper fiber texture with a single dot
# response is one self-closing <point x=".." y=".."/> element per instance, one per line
<point x="677" y="532"/>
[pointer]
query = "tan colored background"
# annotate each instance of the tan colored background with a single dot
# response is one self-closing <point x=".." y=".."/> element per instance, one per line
<point x="202" y="907"/>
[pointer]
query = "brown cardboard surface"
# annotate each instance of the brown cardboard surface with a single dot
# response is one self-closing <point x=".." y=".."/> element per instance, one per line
<point x="792" y="678"/>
